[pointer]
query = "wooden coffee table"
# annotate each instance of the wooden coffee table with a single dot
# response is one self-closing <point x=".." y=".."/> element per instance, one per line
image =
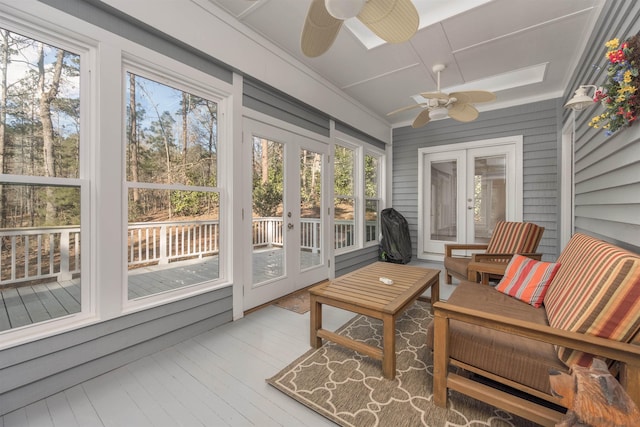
<point x="362" y="292"/>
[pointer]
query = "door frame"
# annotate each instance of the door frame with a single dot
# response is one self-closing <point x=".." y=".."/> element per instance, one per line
<point x="282" y="132"/>
<point x="423" y="203"/>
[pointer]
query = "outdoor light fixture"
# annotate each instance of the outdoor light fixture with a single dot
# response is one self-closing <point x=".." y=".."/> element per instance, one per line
<point x="581" y="99"/>
<point x="344" y="9"/>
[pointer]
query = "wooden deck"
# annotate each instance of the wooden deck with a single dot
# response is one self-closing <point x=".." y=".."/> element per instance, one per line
<point x="29" y="304"/>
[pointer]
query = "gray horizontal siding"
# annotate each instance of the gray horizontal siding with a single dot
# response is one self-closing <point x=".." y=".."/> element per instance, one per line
<point x="111" y="19"/>
<point x="537" y="123"/>
<point x="348" y="262"/>
<point x="607" y="168"/>
<point x="41" y="368"/>
<point x="265" y="99"/>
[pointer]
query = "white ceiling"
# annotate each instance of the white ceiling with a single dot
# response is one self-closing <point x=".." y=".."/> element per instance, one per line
<point x="524" y="50"/>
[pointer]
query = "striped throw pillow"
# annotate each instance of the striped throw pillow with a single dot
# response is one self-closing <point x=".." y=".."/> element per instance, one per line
<point x="527" y="279"/>
<point x="596" y="291"/>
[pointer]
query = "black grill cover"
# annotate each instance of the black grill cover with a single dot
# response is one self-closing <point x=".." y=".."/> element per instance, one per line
<point x="395" y="245"/>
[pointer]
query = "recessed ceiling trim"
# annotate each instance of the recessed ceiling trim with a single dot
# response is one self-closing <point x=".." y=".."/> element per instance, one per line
<point x="380" y="75"/>
<point x="524" y="30"/>
<point x="509" y="80"/>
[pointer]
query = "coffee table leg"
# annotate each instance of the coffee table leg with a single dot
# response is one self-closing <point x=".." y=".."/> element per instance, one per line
<point x="388" y="346"/>
<point x="316" y="322"/>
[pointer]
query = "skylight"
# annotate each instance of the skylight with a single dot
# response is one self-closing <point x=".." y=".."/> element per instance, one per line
<point x="430" y="11"/>
<point x="504" y="81"/>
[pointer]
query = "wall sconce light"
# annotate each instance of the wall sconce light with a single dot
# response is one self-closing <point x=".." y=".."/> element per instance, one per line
<point x="581" y="99"/>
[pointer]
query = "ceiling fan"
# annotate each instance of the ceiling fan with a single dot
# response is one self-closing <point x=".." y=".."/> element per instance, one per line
<point x="394" y="21"/>
<point x="438" y="105"/>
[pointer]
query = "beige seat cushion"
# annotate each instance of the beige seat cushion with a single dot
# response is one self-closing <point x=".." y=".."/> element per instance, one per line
<point x="457" y="265"/>
<point x="520" y="359"/>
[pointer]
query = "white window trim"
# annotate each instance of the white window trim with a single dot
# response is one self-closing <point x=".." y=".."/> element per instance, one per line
<point x="361" y="149"/>
<point x="85" y="48"/>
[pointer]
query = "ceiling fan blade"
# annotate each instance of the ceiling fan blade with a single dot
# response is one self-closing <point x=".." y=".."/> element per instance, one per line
<point x="463" y="112"/>
<point x="421" y="119"/>
<point x="394" y="21"/>
<point x="435" y="95"/>
<point x="320" y="30"/>
<point x="408" y="107"/>
<point x="473" y="96"/>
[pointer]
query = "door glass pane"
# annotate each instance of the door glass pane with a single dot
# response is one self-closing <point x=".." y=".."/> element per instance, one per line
<point x="310" y="208"/>
<point x="490" y="195"/>
<point x="268" y="209"/>
<point x="443" y="200"/>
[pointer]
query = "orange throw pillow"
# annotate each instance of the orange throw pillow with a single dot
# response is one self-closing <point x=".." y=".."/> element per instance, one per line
<point x="527" y="279"/>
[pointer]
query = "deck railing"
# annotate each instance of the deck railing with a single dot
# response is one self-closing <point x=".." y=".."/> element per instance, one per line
<point x="30" y="254"/>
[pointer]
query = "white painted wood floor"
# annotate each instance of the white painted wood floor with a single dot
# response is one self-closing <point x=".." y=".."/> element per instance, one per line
<point x="214" y="379"/>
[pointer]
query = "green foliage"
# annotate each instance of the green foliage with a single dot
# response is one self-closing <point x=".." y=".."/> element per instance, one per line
<point x="187" y="203"/>
<point x="343" y="171"/>
<point x="267" y="198"/>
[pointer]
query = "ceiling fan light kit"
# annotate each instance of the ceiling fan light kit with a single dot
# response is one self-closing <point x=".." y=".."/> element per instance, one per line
<point x="394" y="21"/>
<point x="439" y="105"/>
<point x="438" y="113"/>
<point x="344" y="9"/>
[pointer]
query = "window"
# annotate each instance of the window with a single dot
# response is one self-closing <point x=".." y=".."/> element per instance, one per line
<point x="42" y="193"/>
<point x="358" y="195"/>
<point x="172" y="195"/>
<point x="372" y="197"/>
<point x="345" y="198"/>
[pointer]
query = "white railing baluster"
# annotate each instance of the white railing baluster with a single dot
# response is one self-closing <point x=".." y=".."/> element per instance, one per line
<point x="157" y="242"/>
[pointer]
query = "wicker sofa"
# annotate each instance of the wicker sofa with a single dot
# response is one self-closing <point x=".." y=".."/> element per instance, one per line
<point x="483" y="339"/>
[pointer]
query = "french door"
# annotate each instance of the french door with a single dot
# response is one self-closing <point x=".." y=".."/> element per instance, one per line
<point x="465" y="190"/>
<point x="286" y="235"/>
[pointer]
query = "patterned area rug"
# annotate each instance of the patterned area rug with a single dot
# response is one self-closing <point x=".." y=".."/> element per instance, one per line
<point x="348" y="388"/>
<point x="298" y="301"/>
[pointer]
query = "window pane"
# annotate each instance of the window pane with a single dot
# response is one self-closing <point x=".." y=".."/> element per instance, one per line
<point x="40" y="254"/>
<point x="39" y="224"/>
<point x="173" y="241"/>
<point x="171" y="135"/>
<point x="344" y="166"/>
<point x="443" y="200"/>
<point x="371" y="221"/>
<point x="41" y="109"/>
<point x="490" y="195"/>
<point x="268" y="210"/>
<point x="345" y="227"/>
<point x="371" y="180"/>
<point x="173" y="235"/>
<point x="310" y="208"/>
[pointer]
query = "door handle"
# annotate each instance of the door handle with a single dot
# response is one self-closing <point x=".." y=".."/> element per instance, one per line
<point x="289" y="226"/>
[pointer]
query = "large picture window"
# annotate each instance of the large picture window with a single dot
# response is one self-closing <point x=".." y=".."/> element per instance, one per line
<point x="173" y="200"/>
<point x="41" y="190"/>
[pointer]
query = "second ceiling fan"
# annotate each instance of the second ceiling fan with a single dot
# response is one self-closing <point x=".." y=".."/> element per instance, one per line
<point x="438" y="105"/>
<point x="394" y="21"/>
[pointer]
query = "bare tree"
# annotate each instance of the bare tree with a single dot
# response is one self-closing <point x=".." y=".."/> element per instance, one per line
<point x="4" y="65"/>
<point x="47" y="95"/>
<point x="133" y="136"/>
